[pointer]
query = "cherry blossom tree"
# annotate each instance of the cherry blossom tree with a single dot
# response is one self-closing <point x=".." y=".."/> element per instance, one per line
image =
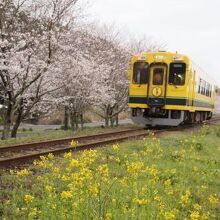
<point x="28" y="45"/>
<point x="17" y="55"/>
<point x="76" y="73"/>
<point x="111" y="87"/>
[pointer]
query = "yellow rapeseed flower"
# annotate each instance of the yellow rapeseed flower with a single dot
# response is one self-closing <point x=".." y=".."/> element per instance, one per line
<point x="54" y="206"/>
<point x="23" y="209"/>
<point x="68" y="155"/>
<point x="74" y="143"/>
<point x="140" y="202"/>
<point x="204" y="188"/>
<point x="153" y="170"/>
<point x="123" y="181"/>
<point x="94" y="190"/>
<point x="185" y="198"/>
<point x="23" y="172"/>
<point x="169" y="191"/>
<point x="50" y="156"/>
<point x="65" y="177"/>
<point x="86" y="174"/>
<point x="40" y="163"/>
<point x="103" y="170"/>
<point x="205" y="216"/>
<point x="33" y="213"/>
<point x="197" y="207"/>
<point x="88" y="157"/>
<point x="108" y="215"/>
<point x="115" y="147"/>
<point x="135" y="167"/>
<point x="56" y="170"/>
<point x="28" y="198"/>
<point x="157" y="198"/>
<point x="73" y="163"/>
<point x="213" y="199"/>
<point x="48" y="188"/>
<point x="114" y="201"/>
<point x="43" y="158"/>
<point x="66" y="195"/>
<point x="75" y="205"/>
<point x="161" y="207"/>
<point x="117" y="159"/>
<point x="194" y="215"/>
<point x="167" y="183"/>
<point x="171" y="215"/>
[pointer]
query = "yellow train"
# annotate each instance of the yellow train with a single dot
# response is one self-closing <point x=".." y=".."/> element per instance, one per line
<point x="169" y="89"/>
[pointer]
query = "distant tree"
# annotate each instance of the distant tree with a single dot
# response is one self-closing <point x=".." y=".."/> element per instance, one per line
<point x="144" y="44"/>
<point x="77" y="76"/>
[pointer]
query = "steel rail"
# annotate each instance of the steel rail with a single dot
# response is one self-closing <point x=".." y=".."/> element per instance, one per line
<point x="47" y="143"/>
<point x="15" y="161"/>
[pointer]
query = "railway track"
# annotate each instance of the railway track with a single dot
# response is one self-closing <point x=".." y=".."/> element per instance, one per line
<point x="18" y="154"/>
<point x="15" y="155"/>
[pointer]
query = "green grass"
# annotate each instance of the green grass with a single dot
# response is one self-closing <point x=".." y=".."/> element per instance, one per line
<point x="174" y="177"/>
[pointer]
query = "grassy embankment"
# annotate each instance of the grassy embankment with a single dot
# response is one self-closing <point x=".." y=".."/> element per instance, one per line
<point x="174" y="177"/>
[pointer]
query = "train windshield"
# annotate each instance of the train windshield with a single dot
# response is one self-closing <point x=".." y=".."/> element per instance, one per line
<point x="141" y="73"/>
<point x="158" y="76"/>
<point x="177" y="73"/>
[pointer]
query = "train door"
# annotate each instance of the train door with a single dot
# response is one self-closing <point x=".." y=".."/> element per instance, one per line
<point x="157" y="85"/>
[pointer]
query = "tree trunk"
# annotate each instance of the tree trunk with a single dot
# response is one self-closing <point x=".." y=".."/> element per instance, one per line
<point x="81" y="120"/>
<point x="110" y="113"/>
<point x="65" y="120"/>
<point x="76" y="120"/>
<point x="18" y="119"/>
<point x="15" y="128"/>
<point x="106" y="121"/>
<point x="116" y="120"/>
<point x="72" y="120"/>
<point x="7" y="122"/>
<point x="112" y="121"/>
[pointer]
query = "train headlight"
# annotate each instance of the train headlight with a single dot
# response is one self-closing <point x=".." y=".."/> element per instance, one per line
<point x="178" y="58"/>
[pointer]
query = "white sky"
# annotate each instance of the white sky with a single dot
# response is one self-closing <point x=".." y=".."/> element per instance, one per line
<point x="191" y="27"/>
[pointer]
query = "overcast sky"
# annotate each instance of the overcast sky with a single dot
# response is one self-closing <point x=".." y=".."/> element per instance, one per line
<point x="191" y="27"/>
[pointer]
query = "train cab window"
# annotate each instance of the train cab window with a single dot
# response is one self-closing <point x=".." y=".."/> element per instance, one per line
<point x="141" y="73"/>
<point x="177" y="73"/>
<point x="158" y="76"/>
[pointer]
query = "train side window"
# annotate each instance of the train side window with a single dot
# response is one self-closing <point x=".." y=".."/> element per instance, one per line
<point x="177" y="73"/>
<point x="200" y="86"/>
<point x="141" y="73"/>
<point x="207" y="89"/>
<point x="204" y="84"/>
<point x="158" y="76"/>
<point x="204" y="88"/>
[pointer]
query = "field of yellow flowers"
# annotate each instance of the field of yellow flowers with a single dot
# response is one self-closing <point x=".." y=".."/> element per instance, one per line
<point x="174" y="177"/>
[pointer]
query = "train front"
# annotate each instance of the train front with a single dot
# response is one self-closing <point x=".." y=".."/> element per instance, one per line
<point x="157" y="85"/>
